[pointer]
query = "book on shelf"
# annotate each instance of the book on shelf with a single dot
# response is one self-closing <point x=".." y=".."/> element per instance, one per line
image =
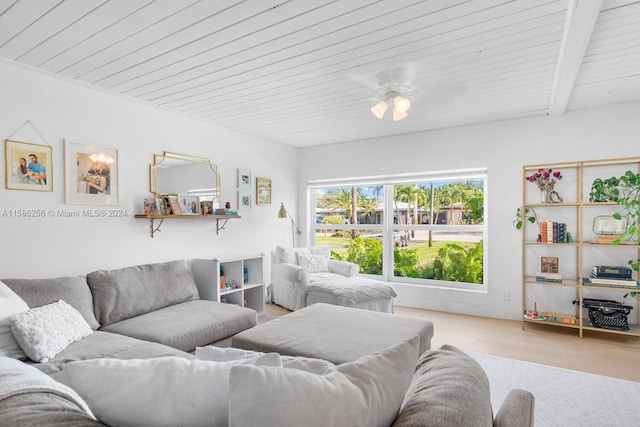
<point x="611" y="271"/>
<point x="553" y="232"/>
<point x="616" y="283"/>
<point x="548" y="277"/>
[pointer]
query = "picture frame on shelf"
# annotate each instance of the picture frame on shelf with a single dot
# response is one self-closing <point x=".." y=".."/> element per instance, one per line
<point x="91" y="173"/>
<point x="549" y="264"/>
<point x="149" y="206"/>
<point x="174" y="204"/>
<point x="244" y="199"/>
<point x="28" y="166"/>
<point x="244" y="178"/>
<point x="161" y="206"/>
<point x="263" y="191"/>
<point x="206" y="205"/>
<point x="189" y="205"/>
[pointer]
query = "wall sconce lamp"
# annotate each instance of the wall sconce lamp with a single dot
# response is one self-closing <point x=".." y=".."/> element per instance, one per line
<point x="283" y="213"/>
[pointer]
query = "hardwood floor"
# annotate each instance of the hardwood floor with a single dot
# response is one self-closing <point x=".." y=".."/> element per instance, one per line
<point x="597" y="353"/>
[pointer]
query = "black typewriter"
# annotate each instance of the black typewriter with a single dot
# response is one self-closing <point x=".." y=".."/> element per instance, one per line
<point x="607" y="314"/>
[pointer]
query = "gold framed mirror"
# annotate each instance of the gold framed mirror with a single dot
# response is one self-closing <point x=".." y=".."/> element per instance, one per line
<point x="175" y="173"/>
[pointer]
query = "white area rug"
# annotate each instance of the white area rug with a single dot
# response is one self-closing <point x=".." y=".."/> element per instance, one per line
<point x="564" y="397"/>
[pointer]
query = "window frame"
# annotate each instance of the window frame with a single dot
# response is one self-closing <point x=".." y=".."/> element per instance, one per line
<point x="388" y="227"/>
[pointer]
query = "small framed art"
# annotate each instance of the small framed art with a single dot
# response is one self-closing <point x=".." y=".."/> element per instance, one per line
<point x="244" y="178"/>
<point x="91" y="174"/>
<point x="549" y="264"/>
<point x="28" y="166"/>
<point x="263" y="191"/>
<point x="244" y="199"/>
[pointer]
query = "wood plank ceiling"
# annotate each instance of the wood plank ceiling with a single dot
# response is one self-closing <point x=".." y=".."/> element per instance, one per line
<point x="305" y="73"/>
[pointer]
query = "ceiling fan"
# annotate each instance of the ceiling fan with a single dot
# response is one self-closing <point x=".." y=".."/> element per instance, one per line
<point x="396" y="92"/>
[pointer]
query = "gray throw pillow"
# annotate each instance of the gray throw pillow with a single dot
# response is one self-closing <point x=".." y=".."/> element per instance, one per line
<point x="73" y="290"/>
<point x="448" y="389"/>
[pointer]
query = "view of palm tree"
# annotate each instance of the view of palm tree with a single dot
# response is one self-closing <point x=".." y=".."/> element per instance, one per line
<point x="437" y="253"/>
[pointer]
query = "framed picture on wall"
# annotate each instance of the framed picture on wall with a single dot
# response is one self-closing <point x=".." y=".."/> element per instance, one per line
<point x="90" y="174"/>
<point x="263" y="191"/>
<point x="28" y="166"/>
<point x="244" y="199"/>
<point x="244" y="178"/>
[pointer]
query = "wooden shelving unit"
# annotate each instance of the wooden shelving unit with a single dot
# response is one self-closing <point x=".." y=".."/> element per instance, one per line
<point x="577" y="257"/>
<point x="221" y="220"/>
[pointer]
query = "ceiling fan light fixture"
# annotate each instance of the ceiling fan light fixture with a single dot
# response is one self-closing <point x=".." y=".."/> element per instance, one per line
<point x="398" y="115"/>
<point x="379" y="109"/>
<point x="401" y="104"/>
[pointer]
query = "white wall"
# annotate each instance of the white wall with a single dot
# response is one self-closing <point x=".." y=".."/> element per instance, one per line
<point x="503" y="147"/>
<point x="55" y="246"/>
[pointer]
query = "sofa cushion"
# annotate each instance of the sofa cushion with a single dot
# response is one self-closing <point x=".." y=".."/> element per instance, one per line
<point x="10" y="304"/>
<point x="187" y="325"/>
<point x="30" y="398"/>
<point x="73" y="290"/>
<point x="225" y="354"/>
<point x="45" y="331"/>
<point x="165" y="391"/>
<point x="367" y="392"/>
<point x="132" y="291"/>
<point x="105" y="345"/>
<point x="449" y="388"/>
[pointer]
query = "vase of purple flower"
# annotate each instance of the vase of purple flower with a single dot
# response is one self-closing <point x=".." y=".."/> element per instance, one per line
<point x="546" y="179"/>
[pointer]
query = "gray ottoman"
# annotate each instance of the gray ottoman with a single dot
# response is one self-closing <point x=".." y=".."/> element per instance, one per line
<point x="334" y="333"/>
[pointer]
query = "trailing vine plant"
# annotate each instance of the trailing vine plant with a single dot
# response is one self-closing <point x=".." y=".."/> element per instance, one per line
<point x="529" y="215"/>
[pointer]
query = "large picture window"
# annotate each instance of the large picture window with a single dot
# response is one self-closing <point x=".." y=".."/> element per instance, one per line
<point x="425" y="229"/>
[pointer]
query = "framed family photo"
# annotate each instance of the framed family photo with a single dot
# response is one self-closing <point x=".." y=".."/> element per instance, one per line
<point x="91" y="174"/>
<point x="190" y="205"/>
<point x="244" y="178"/>
<point x="28" y="166"/>
<point x="263" y="191"/>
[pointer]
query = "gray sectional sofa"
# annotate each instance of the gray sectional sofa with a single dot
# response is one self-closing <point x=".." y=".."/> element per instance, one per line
<point x="152" y="311"/>
<point x="136" y="312"/>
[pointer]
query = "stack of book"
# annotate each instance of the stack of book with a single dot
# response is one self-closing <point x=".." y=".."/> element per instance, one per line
<point x="612" y="275"/>
<point x="548" y="277"/>
<point x="553" y="232"/>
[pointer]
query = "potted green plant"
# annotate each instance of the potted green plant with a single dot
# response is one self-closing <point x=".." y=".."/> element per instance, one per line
<point x="625" y="191"/>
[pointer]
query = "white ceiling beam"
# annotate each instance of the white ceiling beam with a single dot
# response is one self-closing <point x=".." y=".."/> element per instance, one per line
<point x="581" y="18"/>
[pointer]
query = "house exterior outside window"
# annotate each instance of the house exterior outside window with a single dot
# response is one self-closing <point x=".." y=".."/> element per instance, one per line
<point x="423" y="229"/>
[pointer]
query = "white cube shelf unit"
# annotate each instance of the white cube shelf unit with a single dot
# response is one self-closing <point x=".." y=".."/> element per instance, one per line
<point x="247" y="293"/>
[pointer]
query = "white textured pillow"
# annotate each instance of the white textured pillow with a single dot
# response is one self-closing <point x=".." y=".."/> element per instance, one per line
<point x="165" y="391"/>
<point x="367" y="392"/>
<point x="10" y="304"/>
<point x="285" y="255"/>
<point x="45" y="331"/>
<point x="314" y="260"/>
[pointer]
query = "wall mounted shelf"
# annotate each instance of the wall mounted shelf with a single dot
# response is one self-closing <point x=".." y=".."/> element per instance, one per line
<point x="221" y="220"/>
